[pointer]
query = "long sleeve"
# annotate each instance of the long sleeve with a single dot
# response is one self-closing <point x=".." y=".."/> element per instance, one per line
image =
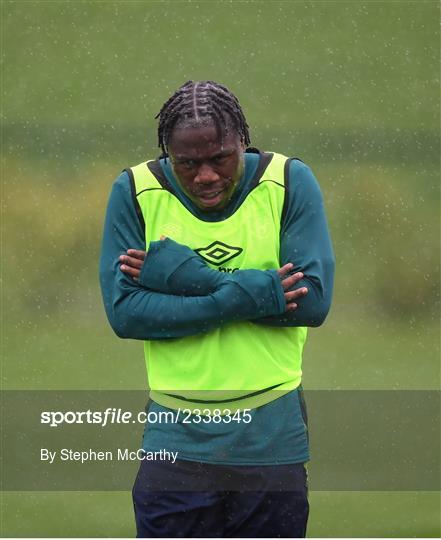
<point x="139" y="313"/>
<point x="174" y="268"/>
<point x="305" y="241"/>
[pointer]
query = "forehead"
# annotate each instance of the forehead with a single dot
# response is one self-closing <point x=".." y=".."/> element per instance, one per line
<point x="201" y="140"/>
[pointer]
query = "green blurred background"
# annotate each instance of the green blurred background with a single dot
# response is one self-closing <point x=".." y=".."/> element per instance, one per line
<point x="350" y="87"/>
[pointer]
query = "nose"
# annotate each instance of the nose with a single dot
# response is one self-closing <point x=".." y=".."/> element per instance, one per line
<point x="206" y="174"/>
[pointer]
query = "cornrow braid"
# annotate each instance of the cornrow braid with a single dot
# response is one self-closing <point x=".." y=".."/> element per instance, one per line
<point x="200" y="101"/>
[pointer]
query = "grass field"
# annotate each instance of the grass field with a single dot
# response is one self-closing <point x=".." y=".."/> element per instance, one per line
<point x="350" y="87"/>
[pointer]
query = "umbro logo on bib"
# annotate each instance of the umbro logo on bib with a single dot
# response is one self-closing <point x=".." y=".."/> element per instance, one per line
<point x="218" y="253"/>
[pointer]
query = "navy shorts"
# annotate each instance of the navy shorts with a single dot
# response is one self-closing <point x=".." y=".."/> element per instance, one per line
<point x="192" y="499"/>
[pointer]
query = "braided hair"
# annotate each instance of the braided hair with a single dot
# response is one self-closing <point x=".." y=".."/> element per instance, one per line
<point x="201" y="101"/>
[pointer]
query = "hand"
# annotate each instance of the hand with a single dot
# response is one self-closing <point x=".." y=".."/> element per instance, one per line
<point x="131" y="263"/>
<point x="288" y="282"/>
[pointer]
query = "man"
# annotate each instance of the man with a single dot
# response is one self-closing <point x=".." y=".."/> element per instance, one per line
<point x="218" y="256"/>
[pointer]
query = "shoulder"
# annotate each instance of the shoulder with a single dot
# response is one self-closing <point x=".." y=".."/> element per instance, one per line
<point x="122" y="181"/>
<point x="298" y="169"/>
<point x="302" y="190"/>
<point x="296" y="165"/>
<point x="301" y="179"/>
<point x="297" y="174"/>
<point x="293" y="166"/>
<point x="125" y="182"/>
<point x="122" y="191"/>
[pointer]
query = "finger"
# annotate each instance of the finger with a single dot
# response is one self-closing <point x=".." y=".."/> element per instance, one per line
<point x="131" y="261"/>
<point x="288" y="282"/>
<point x="133" y="272"/>
<point x="291" y="307"/>
<point x="294" y="295"/>
<point x="162" y="237"/>
<point x="137" y="253"/>
<point x="285" y="269"/>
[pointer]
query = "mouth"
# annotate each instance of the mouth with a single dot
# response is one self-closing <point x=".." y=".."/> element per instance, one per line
<point x="210" y="198"/>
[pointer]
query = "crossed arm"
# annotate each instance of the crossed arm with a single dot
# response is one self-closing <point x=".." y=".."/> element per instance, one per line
<point x="190" y="276"/>
<point x="171" y="293"/>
